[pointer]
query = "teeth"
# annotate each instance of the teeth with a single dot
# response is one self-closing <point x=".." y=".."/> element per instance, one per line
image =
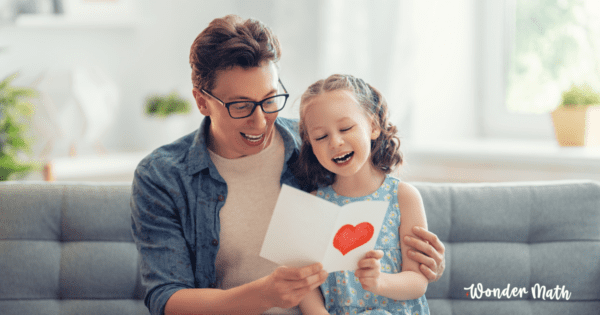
<point x="253" y="138"/>
<point x="343" y="158"/>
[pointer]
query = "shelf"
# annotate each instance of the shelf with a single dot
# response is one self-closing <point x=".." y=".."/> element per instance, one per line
<point x="36" y="21"/>
<point x="498" y="160"/>
<point x="110" y="167"/>
<point x="537" y="153"/>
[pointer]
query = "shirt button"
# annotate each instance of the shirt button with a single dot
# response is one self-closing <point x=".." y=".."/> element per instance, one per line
<point x="215" y="242"/>
<point x="221" y="198"/>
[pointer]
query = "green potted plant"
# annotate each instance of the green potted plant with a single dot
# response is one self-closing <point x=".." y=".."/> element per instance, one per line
<point x="166" y="118"/>
<point x="15" y="111"/>
<point x="577" y="118"/>
<point x="167" y="105"/>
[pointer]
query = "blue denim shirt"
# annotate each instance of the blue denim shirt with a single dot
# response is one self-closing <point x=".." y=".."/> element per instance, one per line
<point x="176" y="197"/>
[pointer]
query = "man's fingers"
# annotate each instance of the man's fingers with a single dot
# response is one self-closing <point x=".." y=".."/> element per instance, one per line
<point x="310" y="270"/>
<point x="430" y="237"/>
<point x="430" y="275"/>
<point x="288" y="285"/>
<point x="306" y="282"/>
<point x="423" y="259"/>
<point x="303" y="291"/>
<point x="310" y="281"/>
<point x="422" y="247"/>
<point x="426" y="265"/>
<point x="292" y="274"/>
<point x="322" y="277"/>
<point x="427" y="250"/>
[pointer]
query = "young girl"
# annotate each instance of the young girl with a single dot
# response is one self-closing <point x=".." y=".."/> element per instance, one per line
<point x="348" y="150"/>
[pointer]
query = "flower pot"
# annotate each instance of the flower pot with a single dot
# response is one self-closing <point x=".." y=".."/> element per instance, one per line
<point x="577" y="125"/>
<point x="164" y="130"/>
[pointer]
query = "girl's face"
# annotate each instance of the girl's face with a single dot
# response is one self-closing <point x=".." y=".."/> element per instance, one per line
<point x="340" y="132"/>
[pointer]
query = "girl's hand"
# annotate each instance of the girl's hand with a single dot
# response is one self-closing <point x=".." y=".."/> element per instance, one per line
<point x="370" y="270"/>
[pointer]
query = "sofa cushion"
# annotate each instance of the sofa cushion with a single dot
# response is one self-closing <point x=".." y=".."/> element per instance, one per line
<point x="517" y="234"/>
<point x="67" y="249"/>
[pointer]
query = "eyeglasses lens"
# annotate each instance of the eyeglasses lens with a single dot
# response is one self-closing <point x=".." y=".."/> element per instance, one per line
<point x="270" y="105"/>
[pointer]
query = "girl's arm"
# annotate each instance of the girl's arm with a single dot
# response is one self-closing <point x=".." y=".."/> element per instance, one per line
<point x="410" y="283"/>
<point x="313" y="303"/>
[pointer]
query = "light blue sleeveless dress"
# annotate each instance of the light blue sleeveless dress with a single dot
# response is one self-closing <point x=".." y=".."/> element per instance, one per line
<point x="342" y="291"/>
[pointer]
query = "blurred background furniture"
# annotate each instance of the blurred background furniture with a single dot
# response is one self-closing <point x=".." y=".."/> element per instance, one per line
<point x="114" y="167"/>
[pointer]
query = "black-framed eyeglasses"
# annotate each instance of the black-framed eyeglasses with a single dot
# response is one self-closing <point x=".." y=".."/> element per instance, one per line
<point x="243" y="109"/>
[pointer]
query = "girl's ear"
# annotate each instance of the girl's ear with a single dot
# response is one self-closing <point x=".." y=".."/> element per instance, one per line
<point x="201" y="102"/>
<point x="375" y="133"/>
<point x="375" y="130"/>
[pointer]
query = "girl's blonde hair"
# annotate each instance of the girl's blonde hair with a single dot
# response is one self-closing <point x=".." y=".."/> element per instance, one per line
<point x="385" y="150"/>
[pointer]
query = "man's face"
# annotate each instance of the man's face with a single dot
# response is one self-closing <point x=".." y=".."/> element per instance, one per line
<point x="233" y="138"/>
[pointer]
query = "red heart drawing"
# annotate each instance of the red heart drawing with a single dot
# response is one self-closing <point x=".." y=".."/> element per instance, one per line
<point x="349" y="237"/>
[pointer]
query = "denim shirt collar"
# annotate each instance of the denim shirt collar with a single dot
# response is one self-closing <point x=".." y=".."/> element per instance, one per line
<point x="198" y="158"/>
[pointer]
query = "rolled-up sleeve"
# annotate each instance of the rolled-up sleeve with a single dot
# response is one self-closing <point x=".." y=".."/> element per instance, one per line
<point x="166" y="265"/>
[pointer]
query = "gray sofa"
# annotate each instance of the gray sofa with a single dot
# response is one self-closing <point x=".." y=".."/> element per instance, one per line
<point x="66" y="248"/>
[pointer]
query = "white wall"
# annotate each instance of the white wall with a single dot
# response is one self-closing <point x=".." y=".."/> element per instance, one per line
<point x="151" y="56"/>
<point x="148" y="57"/>
<point x="444" y="75"/>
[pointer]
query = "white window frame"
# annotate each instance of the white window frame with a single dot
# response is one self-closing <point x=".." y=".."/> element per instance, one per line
<point x="495" y="46"/>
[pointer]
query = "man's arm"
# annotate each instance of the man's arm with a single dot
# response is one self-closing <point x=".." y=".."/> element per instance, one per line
<point x="284" y="288"/>
<point x="156" y="229"/>
<point x="166" y="264"/>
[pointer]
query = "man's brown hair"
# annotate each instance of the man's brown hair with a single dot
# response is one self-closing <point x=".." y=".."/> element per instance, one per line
<point x="229" y="42"/>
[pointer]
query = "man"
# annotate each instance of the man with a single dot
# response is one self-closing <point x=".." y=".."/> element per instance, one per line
<point x="201" y="205"/>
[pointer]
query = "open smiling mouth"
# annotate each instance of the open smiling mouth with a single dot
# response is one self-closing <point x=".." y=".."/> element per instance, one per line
<point x="344" y="158"/>
<point x="253" y="138"/>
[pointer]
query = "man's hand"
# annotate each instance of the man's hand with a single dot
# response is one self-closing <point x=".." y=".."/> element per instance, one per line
<point x="428" y="251"/>
<point x="287" y="286"/>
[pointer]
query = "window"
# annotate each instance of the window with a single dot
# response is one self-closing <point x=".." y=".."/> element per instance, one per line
<point x="531" y="51"/>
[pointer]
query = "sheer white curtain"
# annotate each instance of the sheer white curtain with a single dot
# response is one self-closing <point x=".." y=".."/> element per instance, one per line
<point x="372" y="40"/>
<point x="368" y="39"/>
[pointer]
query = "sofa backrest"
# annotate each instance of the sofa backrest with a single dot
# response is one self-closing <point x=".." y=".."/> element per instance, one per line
<point x="66" y="248"/>
<point x="516" y="235"/>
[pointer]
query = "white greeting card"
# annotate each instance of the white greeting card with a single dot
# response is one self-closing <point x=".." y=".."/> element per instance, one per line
<point x="306" y="229"/>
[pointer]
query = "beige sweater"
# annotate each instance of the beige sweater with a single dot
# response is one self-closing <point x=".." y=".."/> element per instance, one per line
<point x="253" y="185"/>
